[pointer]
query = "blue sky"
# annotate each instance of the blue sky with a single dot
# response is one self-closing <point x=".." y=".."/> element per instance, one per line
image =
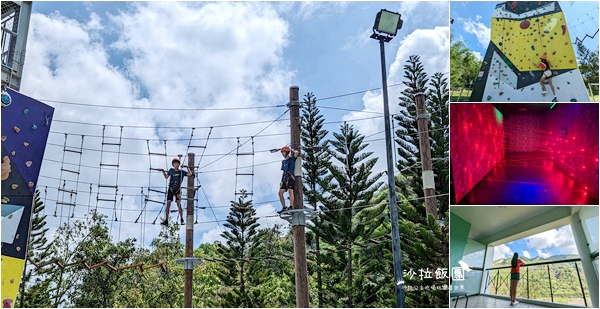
<point x="556" y="241"/>
<point x="472" y="22"/>
<point x="208" y="55"/>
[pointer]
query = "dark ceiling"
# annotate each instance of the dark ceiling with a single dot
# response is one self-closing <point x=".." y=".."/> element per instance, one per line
<point x="523" y="108"/>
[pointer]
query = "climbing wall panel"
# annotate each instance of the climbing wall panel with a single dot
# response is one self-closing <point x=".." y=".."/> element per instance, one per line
<point x="521" y="32"/>
<point x="25" y="127"/>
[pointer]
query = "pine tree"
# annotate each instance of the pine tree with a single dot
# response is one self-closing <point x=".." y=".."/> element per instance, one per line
<point x="37" y="294"/>
<point x="438" y="109"/>
<point x="424" y="241"/>
<point x="315" y="175"/>
<point x="407" y="133"/>
<point x="242" y="274"/>
<point x="352" y="188"/>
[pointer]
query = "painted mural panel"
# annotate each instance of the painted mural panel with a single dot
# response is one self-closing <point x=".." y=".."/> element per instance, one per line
<point x="25" y="128"/>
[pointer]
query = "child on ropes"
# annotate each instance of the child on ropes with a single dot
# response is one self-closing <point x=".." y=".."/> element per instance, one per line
<point x="287" y="178"/>
<point x="174" y="189"/>
<point x="546" y="75"/>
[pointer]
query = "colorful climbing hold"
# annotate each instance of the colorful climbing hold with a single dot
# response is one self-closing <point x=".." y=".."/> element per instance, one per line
<point x="25" y="144"/>
<point x="34" y="127"/>
<point x="14" y="186"/>
<point x="3" y="138"/>
<point x="501" y="93"/>
<point x="568" y="83"/>
<point x="573" y="100"/>
<point x="489" y="97"/>
<point x="524" y="24"/>
<point x="500" y="43"/>
<point x="13" y="153"/>
<point x="564" y="29"/>
<point x="17" y="129"/>
<point x="26" y="111"/>
<point x="5" y="200"/>
<point x="532" y="47"/>
<point x="30" y="184"/>
<point x="28" y="163"/>
<point x="514" y="5"/>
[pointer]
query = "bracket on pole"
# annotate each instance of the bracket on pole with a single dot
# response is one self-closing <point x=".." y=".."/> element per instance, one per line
<point x="298" y="217"/>
<point x="188" y="262"/>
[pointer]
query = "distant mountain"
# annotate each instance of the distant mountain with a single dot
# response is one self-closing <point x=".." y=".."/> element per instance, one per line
<point x="537" y="259"/>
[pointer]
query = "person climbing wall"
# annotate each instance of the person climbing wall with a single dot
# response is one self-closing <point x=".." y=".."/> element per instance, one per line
<point x="546" y="75"/>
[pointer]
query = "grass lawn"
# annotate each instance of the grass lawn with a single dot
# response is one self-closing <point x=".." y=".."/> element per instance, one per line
<point x="464" y="97"/>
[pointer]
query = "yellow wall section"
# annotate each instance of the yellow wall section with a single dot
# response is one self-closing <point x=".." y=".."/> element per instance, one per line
<point x="523" y="47"/>
<point x="12" y="270"/>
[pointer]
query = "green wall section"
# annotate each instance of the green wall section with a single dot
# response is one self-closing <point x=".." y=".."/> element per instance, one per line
<point x="459" y="233"/>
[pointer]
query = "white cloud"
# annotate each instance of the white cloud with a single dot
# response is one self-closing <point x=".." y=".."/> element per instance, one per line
<point x="211" y="236"/>
<point x="477" y="55"/>
<point x="502" y="252"/>
<point x="542" y="254"/>
<point x="191" y="56"/>
<point x="560" y="239"/>
<point x="526" y="254"/>
<point x="477" y="28"/>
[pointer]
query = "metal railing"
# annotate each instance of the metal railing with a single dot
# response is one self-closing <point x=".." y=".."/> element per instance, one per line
<point x="556" y="281"/>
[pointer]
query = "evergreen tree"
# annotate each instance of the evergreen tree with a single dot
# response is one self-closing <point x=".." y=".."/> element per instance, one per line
<point x="351" y="191"/>
<point x="439" y="128"/>
<point x="424" y="241"/>
<point x="407" y="134"/>
<point x="37" y="294"/>
<point x="242" y="274"/>
<point x="314" y="155"/>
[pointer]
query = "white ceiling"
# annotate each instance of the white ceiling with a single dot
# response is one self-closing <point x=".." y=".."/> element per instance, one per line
<point x="496" y="225"/>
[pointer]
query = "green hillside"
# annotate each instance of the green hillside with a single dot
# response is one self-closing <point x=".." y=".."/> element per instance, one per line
<point x="537" y="259"/>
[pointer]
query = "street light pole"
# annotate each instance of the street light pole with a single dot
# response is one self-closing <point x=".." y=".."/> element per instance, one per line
<point x="399" y="281"/>
<point x="388" y="23"/>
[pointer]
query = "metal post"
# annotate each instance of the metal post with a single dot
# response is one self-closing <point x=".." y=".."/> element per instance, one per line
<point x="497" y="277"/>
<point x="527" y="283"/>
<point x="399" y="286"/>
<point x="581" y="284"/>
<point x="425" y="151"/>
<point x="298" y="230"/>
<point x="189" y="233"/>
<point x="550" y="281"/>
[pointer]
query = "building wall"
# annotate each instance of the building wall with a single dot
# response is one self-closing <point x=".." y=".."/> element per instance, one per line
<point x="476" y="142"/>
<point x="572" y="143"/>
<point x="523" y="132"/>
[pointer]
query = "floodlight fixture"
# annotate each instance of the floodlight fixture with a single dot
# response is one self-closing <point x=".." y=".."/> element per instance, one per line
<point x="386" y="25"/>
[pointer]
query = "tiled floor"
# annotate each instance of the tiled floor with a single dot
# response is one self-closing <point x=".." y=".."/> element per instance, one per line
<point x="489" y="302"/>
<point x="526" y="179"/>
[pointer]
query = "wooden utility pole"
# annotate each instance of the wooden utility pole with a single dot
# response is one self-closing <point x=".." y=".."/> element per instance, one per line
<point x="425" y="151"/>
<point x="189" y="232"/>
<point x="189" y="261"/>
<point x="298" y="230"/>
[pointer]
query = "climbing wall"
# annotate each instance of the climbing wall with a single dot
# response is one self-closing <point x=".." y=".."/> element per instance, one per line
<point x="25" y="128"/>
<point x="521" y="32"/>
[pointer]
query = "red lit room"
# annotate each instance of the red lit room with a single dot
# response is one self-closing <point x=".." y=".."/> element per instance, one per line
<point x="524" y="153"/>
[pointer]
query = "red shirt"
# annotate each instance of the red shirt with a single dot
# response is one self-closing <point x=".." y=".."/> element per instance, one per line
<point x="544" y="66"/>
<point x="517" y="270"/>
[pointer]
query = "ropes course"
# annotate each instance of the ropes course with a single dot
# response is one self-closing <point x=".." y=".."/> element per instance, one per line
<point x="131" y="202"/>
